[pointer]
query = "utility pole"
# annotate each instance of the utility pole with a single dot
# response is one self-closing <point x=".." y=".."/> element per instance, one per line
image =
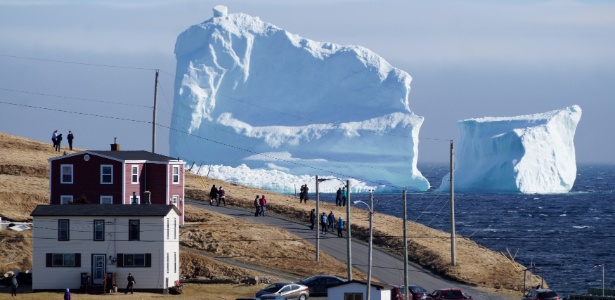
<point x="317" y="222"/>
<point x="452" y="182"/>
<point x="405" y="248"/>
<point x="154" y="118"/>
<point x="371" y="241"/>
<point x="348" y="232"/>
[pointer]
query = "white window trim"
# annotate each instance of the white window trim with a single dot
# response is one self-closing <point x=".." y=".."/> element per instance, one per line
<point x="102" y="198"/>
<point x="174" y="175"/>
<point x="138" y="199"/>
<point x="101" y="174"/>
<point x="72" y="174"/>
<point x="133" y="174"/>
<point x="64" y="198"/>
<point x="174" y="200"/>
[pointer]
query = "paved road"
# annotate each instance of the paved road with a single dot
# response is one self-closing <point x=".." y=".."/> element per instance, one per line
<point x="386" y="268"/>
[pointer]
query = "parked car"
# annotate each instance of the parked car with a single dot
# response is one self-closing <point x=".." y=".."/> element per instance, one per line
<point x="318" y="284"/>
<point x="288" y="290"/>
<point x="414" y="292"/>
<point x="448" y="294"/>
<point x="541" y="294"/>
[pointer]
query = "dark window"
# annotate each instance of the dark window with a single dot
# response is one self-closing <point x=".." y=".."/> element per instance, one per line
<point x="134" y="230"/>
<point x="63" y="260"/>
<point x="175" y="174"/>
<point x="99" y="230"/>
<point x="66" y="175"/>
<point x="130" y="260"/>
<point x="106" y="174"/>
<point x="63" y="230"/>
<point x="135" y="174"/>
<point x="353" y="296"/>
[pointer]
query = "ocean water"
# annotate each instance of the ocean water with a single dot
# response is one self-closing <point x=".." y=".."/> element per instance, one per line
<point x="563" y="235"/>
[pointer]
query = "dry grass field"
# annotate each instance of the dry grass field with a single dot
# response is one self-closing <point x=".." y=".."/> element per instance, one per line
<point x="24" y="183"/>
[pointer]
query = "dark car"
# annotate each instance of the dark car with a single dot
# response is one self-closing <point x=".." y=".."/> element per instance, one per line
<point x="414" y="292"/>
<point x="271" y="297"/>
<point x="288" y="290"/>
<point x="319" y="284"/>
<point x="542" y="294"/>
<point x="442" y="294"/>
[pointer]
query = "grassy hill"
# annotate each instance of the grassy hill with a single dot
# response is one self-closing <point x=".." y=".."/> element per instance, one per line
<point x="24" y="183"/>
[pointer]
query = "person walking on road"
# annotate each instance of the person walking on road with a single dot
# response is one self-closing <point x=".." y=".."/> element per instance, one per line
<point x="221" y="196"/>
<point x="340" y="227"/>
<point x="312" y="218"/>
<point x="257" y="206"/>
<point x="331" y="221"/>
<point x="263" y="204"/>
<point x="323" y="223"/>
<point x="213" y="195"/>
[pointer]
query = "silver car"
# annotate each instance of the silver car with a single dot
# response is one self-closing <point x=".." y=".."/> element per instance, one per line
<point x="288" y="290"/>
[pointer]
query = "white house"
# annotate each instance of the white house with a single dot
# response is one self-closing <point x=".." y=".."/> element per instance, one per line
<point x="356" y="290"/>
<point x="102" y="240"/>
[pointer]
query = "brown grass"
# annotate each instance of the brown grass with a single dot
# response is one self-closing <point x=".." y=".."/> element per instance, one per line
<point x="24" y="184"/>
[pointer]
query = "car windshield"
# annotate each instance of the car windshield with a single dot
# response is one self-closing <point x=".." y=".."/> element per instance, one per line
<point x="417" y="289"/>
<point x="272" y="288"/>
<point x="452" y="294"/>
<point x="308" y="280"/>
<point x="550" y="294"/>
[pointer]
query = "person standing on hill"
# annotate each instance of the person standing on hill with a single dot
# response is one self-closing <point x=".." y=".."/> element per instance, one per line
<point x="331" y="221"/>
<point x="340" y="227"/>
<point x="213" y="195"/>
<point x="312" y="218"/>
<point x="301" y="193"/>
<point x="338" y="197"/>
<point x="344" y="196"/>
<point x="54" y="138"/>
<point x="131" y="282"/>
<point x="323" y="223"/>
<point x="58" y="142"/>
<point x="14" y="285"/>
<point x="263" y="204"/>
<point x="305" y="194"/>
<point x="67" y="294"/>
<point x="70" y="138"/>
<point x="221" y="196"/>
<point x="257" y="205"/>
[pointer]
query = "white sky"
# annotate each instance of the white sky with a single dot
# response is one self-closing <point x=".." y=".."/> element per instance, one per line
<point x="468" y="59"/>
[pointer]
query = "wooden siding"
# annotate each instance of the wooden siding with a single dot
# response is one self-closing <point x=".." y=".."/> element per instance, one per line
<point x="153" y="238"/>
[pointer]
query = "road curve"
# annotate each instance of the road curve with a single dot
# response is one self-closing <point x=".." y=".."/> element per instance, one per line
<point x="385" y="268"/>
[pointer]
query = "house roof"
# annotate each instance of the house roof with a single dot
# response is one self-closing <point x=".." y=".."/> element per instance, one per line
<point x="124" y="155"/>
<point x="134" y="155"/>
<point x="377" y="285"/>
<point x="79" y="210"/>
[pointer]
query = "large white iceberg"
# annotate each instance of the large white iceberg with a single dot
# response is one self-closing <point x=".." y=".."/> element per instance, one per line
<point x="523" y="154"/>
<point x="249" y="93"/>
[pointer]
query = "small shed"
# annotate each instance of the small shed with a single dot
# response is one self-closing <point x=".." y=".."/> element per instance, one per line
<point x="356" y="290"/>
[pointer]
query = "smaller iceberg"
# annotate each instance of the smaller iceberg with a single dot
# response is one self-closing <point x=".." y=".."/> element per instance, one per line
<point x="530" y="154"/>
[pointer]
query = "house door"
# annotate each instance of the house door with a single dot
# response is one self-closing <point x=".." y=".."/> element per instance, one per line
<point x="98" y="268"/>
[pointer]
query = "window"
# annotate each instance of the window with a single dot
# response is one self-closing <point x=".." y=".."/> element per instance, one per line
<point x="106" y="199"/>
<point x="99" y="230"/>
<point x="133" y="230"/>
<point x="175" y="174"/>
<point x="353" y="296"/>
<point x="175" y="228"/>
<point x="106" y="174"/>
<point x="131" y="260"/>
<point x="174" y="200"/>
<point x="175" y="262"/>
<point x="63" y="230"/>
<point x="135" y="174"/>
<point x="168" y="261"/>
<point x="168" y="228"/>
<point x="63" y="260"/>
<point x="66" y="174"/>
<point x="66" y="199"/>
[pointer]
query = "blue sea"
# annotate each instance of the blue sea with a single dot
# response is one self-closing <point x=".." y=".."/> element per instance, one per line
<point x="565" y="236"/>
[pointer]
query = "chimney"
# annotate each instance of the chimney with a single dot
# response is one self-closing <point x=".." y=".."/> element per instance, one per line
<point x="115" y="146"/>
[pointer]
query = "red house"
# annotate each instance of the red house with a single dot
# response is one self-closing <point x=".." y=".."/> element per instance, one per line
<point x="117" y="177"/>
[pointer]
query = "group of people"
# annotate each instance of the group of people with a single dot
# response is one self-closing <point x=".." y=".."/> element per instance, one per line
<point x="56" y="139"/>
<point x="303" y="194"/>
<point x="217" y="195"/>
<point x="340" y="196"/>
<point x="327" y="223"/>
<point x="260" y="204"/>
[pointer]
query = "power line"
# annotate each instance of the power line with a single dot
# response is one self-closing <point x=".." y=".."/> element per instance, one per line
<point x="73" y="98"/>
<point x="75" y="63"/>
